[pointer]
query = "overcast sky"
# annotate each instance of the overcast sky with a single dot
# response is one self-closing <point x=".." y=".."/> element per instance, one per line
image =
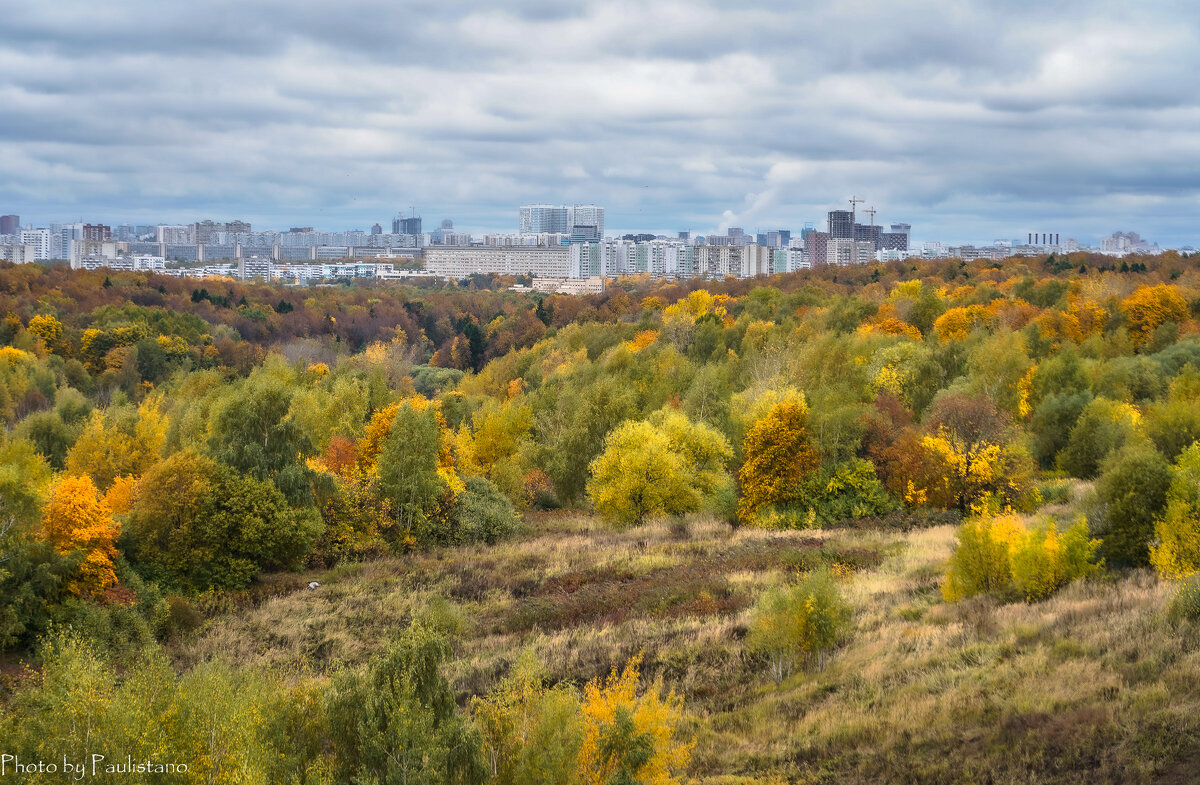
<point x="971" y="120"/>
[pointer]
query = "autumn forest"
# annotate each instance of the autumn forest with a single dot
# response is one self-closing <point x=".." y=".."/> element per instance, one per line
<point x="923" y="521"/>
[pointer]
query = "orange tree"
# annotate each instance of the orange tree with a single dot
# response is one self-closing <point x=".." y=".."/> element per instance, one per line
<point x="75" y="519"/>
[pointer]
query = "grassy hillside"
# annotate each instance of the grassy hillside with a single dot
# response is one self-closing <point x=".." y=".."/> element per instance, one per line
<point x="1093" y="685"/>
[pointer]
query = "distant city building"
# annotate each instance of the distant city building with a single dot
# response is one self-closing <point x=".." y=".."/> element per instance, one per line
<point x="1122" y="243"/>
<point x="559" y="219"/>
<point x="376" y="229"/>
<point x="97" y="232"/>
<point x="841" y="224"/>
<point x="10" y="224"/>
<point x="817" y="245"/>
<point x="893" y="241"/>
<point x="40" y="240"/>
<point x="458" y="262"/>
<point x="868" y="234"/>
<point x="18" y="253"/>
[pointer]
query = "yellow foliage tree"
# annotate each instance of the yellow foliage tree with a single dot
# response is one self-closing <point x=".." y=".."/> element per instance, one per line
<point x="47" y="328"/>
<point x="114" y="444"/>
<point x="630" y="737"/>
<point x="1151" y="306"/>
<point x="76" y="519"/>
<point x="1176" y="552"/>
<point x="779" y="455"/>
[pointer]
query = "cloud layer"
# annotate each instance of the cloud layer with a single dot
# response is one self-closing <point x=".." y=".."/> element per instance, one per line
<point x="970" y="119"/>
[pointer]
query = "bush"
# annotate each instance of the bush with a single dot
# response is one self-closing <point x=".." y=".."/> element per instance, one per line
<point x="982" y="561"/>
<point x="482" y="513"/>
<point x="1000" y="556"/>
<point x="1185" y="605"/>
<point x="798" y="622"/>
<point x="1048" y="559"/>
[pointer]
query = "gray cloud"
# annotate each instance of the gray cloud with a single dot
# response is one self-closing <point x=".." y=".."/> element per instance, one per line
<point x="970" y="119"/>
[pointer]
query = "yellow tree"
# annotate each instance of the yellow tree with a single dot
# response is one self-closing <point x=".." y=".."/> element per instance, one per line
<point x="629" y="737"/>
<point x="47" y="328"/>
<point x="118" y="443"/>
<point x="779" y="455"/>
<point x="75" y="519"/>
<point x="1151" y="306"/>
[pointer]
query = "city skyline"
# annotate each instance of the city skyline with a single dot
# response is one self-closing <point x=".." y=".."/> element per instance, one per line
<point x="968" y="121"/>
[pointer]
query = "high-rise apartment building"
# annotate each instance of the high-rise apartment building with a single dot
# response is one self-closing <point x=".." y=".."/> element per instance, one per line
<point x="841" y="225"/>
<point x="560" y="219"/>
<point x="402" y="225"/>
<point x="10" y="224"/>
<point x="39" y="239"/>
<point x="97" y="232"/>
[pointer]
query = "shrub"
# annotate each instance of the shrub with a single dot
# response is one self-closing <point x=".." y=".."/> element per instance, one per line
<point x="998" y="555"/>
<point x="1047" y="559"/>
<point x="982" y="562"/>
<point x="1185" y="605"/>
<point x="482" y="513"/>
<point x="798" y="622"/>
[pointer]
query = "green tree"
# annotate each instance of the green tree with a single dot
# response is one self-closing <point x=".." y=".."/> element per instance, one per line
<point x="202" y="525"/>
<point x="253" y="432"/>
<point x="1103" y="427"/>
<point x="1053" y="420"/>
<point x="397" y="723"/>
<point x="1132" y="489"/>
<point x="408" y="474"/>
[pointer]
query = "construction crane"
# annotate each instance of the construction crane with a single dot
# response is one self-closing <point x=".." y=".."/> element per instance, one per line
<point x="853" y="232"/>
<point x="874" y="246"/>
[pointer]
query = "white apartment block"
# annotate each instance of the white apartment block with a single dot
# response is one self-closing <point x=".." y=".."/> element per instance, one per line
<point x="17" y="253"/>
<point x="453" y="262"/>
<point x="39" y="239"/>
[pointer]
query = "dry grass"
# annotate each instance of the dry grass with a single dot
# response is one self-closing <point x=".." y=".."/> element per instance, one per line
<point x="1092" y="685"/>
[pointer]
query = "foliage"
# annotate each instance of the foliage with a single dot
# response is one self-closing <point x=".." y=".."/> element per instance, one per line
<point x="75" y="519"/>
<point x="630" y="738"/>
<point x="1103" y="427"/>
<point x="254" y="432"/>
<point x="1149" y="307"/>
<point x="398" y="722"/>
<point x="202" y="525"/>
<point x="1175" y="551"/>
<point x="666" y="465"/>
<point x="999" y="555"/>
<point x="531" y="734"/>
<point x="1132" y="490"/>
<point x="778" y="457"/>
<point x="483" y="514"/>
<point x="1185" y="604"/>
<point x="118" y="441"/>
<point x="798" y="622"/>
<point x="409" y="476"/>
